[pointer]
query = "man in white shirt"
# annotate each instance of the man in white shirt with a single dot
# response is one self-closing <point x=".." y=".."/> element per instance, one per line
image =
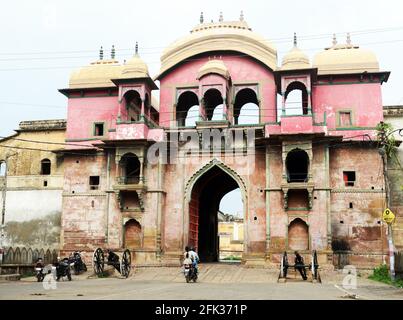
<point x="194" y="256"/>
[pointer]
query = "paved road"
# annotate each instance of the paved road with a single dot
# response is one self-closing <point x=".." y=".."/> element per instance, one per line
<point x="216" y="282"/>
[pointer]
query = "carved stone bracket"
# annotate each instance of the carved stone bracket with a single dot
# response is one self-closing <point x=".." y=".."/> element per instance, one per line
<point x="285" y="193"/>
<point x="141" y="200"/>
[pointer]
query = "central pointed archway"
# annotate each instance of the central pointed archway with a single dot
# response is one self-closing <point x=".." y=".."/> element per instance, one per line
<point x="204" y="193"/>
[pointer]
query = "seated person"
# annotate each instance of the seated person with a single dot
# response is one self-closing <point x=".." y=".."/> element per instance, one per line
<point x="300" y="265"/>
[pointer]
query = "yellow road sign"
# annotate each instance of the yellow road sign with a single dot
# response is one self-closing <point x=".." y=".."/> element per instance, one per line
<point x="388" y="216"/>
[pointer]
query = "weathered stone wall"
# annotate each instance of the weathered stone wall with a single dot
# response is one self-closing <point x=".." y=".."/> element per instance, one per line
<point x="281" y="218"/>
<point x="84" y="220"/>
<point x="356" y="211"/>
<point x="33" y="201"/>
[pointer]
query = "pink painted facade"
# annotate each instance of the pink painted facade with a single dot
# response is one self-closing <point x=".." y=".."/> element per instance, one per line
<point x="295" y="184"/>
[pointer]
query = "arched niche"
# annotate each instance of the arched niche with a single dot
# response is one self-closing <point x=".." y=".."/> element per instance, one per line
<point x="298" y="235"/>
<point x="132" y="236"/>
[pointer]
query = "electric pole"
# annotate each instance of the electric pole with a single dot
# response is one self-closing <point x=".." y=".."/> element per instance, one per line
<point x="383" y="152"/>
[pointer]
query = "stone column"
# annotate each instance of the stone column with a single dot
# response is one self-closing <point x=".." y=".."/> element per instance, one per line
<point x="202" y="110"/>
<point x="142" y="110"/>
<point x="283" y="103"/>
<point x="224" y="109"/>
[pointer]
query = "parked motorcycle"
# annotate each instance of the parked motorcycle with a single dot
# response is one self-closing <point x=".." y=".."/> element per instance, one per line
<point x="39" y="270"/>
<point x="63" y="269"/>
<point x="190" y="273"/>
<point x="78" y="264"/>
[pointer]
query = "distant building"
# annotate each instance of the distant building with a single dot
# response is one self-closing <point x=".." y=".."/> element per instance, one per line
<point x="31" y="180"/>
<point x="230" y="233"/>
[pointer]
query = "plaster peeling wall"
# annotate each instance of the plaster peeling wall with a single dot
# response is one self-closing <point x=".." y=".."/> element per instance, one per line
<point x="33" y="218"/>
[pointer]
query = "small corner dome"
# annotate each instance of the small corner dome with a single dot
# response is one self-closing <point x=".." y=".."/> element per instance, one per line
<point x="214" y="66"/>
<point x="135" y="68"/>
<point x="295" y="59"/>
<point x="345" y="59"/>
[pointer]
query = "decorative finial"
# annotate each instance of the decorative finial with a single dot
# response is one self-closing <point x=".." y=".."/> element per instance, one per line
<point x="113" y="52"/>
<point x="295" y="39"/>
<point x="101" y="53"/>
<point x="221" y="17"/>
<point x="201" y="17"/>
<point x="348" y="38"/>
<point x="136" y="50"/>
<point x="334" y="39"/>
<point x="241" y="17"/>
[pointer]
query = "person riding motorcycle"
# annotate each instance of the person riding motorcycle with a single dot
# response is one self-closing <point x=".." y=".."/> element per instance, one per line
<point x="195" y="258"/>
<point x="187" y="260"/>
<point x="39" y="268"/>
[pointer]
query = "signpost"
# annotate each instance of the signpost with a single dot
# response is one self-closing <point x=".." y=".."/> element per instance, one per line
<point x="388" y="216"/>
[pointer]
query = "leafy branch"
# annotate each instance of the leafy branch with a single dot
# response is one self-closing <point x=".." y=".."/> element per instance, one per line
<point x="386" y="138"/>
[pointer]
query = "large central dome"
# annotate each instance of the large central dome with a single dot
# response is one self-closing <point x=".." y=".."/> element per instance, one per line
<point x="219" y="36"/>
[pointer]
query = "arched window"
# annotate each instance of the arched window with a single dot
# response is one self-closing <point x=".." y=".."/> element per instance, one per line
<point x="45" y="166"/>
<point x="187" y="109"/>
<point x="246" y="108"/>
<point x="297" y="162"/>
<point x="298" y="235"/>
<point x="130" y="168"/>
<point x="212" y="100"/>
<point x="132" y="234"/>
<point x="296" y="99"/>
<point x="133" y="105"/>
<point x="3" y="168"/>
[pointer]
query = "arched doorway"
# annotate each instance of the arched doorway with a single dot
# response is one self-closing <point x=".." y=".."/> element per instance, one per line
<point x="204" y="203"/>
<point x="132" y="234"/>
<point x="298" y="235"/>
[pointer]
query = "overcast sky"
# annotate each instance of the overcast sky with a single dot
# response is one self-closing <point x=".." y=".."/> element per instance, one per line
<point x="42" y="41"/>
